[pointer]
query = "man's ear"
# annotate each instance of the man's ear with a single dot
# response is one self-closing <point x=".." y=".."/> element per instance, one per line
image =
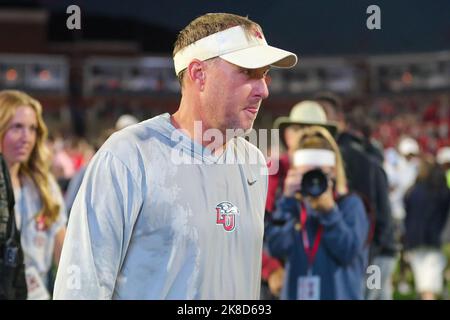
<point x="196" y="73"/>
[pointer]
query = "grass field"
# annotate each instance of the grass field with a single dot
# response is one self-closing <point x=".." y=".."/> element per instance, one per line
<point x="404" y="281"/>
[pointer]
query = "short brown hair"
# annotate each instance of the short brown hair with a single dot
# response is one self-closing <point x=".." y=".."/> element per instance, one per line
<point x="206" y="25"/>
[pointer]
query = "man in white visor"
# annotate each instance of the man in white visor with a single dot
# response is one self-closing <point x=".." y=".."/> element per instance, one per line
<point x="146" y="223"/>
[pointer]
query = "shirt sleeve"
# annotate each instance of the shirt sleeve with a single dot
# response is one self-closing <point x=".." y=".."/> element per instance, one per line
<point x="345" y="230"/>
<point x="99" y="230"/>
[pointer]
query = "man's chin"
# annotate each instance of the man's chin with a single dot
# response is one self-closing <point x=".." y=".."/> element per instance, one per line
<point x="238" y="131"/>
<point x="245" y="128"/>
<point x="247" y="131"/>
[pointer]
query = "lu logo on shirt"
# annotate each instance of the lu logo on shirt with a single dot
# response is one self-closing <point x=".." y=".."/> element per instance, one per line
<point x="226" y="215"/>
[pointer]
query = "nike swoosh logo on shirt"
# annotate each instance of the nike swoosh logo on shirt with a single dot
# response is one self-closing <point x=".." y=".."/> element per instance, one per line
<point x="250" y="183"/>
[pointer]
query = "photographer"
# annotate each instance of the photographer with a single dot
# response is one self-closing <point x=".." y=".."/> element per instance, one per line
<point x="318" y="228"/>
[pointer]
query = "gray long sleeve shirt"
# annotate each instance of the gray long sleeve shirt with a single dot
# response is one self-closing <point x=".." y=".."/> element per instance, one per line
<point x="145" y="226"/>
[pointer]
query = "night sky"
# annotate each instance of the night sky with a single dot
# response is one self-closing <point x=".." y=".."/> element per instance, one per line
<point x="307" y="27"/>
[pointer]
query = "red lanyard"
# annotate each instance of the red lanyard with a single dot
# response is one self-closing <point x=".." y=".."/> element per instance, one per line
<point x="310" y="252"/>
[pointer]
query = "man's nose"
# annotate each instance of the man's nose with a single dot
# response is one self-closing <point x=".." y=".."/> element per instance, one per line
<point x="262" y="88"/>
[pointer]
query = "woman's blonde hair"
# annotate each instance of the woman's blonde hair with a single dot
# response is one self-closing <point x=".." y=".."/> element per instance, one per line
<point x="316" y="137"/>
<point x="37" y="167"/>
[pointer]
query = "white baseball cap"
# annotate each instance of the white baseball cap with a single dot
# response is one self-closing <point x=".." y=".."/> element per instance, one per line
<point x="443" y="155"/>
<point x="408" y="146"/>
<point x="236" y="46"/>
<point x="125" y="120"/>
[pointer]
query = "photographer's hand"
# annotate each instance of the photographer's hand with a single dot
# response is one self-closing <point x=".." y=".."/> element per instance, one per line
<point x="292" y="183"/>
<point x="323" y="203"/>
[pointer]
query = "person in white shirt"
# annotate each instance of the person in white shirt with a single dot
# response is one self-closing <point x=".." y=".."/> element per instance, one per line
<point x="39" y="206"/>
<point x="401" y="168"/>
<point x="167" y="208"/>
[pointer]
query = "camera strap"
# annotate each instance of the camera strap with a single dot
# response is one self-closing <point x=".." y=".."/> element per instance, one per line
<point x="310" y="251"/>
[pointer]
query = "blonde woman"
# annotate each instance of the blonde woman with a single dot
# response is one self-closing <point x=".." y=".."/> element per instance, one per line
<point x="321" y="236"/>
<point x="39" y="209"/>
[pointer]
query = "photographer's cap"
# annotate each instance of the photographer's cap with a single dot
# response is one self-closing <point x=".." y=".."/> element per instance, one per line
<point x="305" y="113"/>
<point x="237" y="46"/>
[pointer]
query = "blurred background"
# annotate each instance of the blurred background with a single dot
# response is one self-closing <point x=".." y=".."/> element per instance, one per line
<point x="120" y="62"/>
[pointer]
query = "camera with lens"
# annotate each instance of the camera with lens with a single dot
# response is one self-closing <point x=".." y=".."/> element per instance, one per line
<point x="314" y="183"/>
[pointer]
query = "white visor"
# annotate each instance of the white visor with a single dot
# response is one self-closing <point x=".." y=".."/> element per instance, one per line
<point x="236" y="46"/>
<point x="314" y="157"/>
